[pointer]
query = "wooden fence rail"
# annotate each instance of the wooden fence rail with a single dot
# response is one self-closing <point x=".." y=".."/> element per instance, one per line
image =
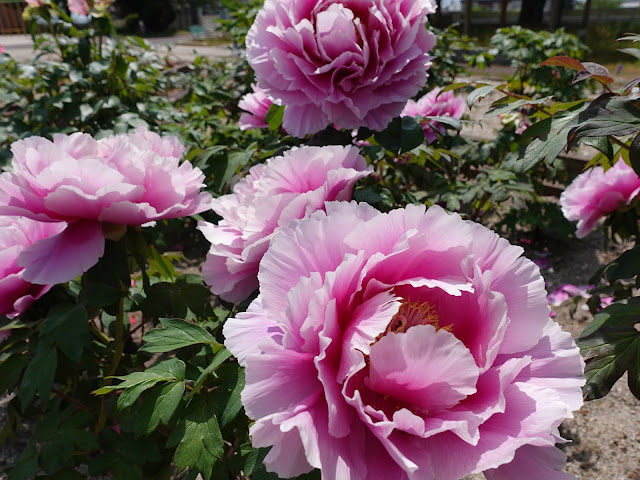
<point x="11" y="17"/>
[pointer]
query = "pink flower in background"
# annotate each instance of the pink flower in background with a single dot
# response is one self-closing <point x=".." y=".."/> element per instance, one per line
<point x="4" y="334"/>
<point x="256" y="105"/>
<point x="97" y="187"/>
<point x="565" y="291"/>
<point x="435" y="104"/>
<point x="17" y="234"/>
<point x="81" y="7"/>
<point x="596" y="193"/>
<point x="285" y="188"/>
<point x="34" y="3"/>
<point x="406" y="345"/>
<point x="347" y="62"/>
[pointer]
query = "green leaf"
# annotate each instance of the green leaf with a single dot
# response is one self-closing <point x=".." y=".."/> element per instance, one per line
<point x="508" y="104"/>
<point x="217" y="360"/>
<point x="401" y="135"/>
<point x="601" y="144"/>
<point x="626" y="266"/>
<point x="481" y="92"/>
<point x="162" y="265"/>
<point x="10" y="371"/>
<point x="158" y="407"/>
<point x="231" y="401"/>
<point x="27" y="464"/>
<point x="634" y="154"/>
<point x="228" y="164"/>
<point x="126" y="471"/>
<point x="175" y="334"/>
<point x="606" y="115"/>
<point x="68" y="326"/>
<point x="131" y="394"/>
<point x="198" y="438"/>
<point x="611" y="346"/>
<point x="171" y="370"/>
<point x="38" y="377"/>
<point x="166" y="299"/>
<point x="274" y="117"/>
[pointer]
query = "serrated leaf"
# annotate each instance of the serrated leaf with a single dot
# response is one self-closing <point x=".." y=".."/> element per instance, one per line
<point x="611" y="346"/>
<point x="198" y="438"/>
<point x="158" y="407"/>
<point x="175" y="334"/>
<point x="38" y="377"/>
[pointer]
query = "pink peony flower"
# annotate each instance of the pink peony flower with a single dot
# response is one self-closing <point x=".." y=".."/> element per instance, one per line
<point x="348" y="62"/>
<point x="435" y="104"/>
<point x="256" y="105"/>
<point x="34" y="3"/>
<point x="285" y="188"/>
<point x="565" y="291"/>
<point x="97" y="187"/>
<point x="17" y="234"/>
<point x="403" y="345"/>
<point x="81" y="7"/>
<point x="596" y="193"/>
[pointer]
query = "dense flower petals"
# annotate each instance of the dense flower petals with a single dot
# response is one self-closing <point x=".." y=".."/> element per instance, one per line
<point x="287" y="188"/>
<point x="596" y="193"/>
<point x="89" y="184"/>
<point x="435" y="104"/>
<point x="395" y="351"/>
<point x="351" y="63"/>
<point x="17" y="235"/>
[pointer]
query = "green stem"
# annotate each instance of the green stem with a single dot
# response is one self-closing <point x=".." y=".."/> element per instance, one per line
<point x="96" y="331"/>
<point x="613" y="139"/>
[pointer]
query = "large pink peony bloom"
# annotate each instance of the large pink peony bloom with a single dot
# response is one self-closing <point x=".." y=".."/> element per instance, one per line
<point x="352" y="62"/>
<point x="17" y="234"/>
<point x="256" y="105"/>
<point x="97" y="187"/>
<point x="285" y="188"/>
<point x="596" y="193"/>
<point x="435" y="104"/>
<point x="406" y="345"/>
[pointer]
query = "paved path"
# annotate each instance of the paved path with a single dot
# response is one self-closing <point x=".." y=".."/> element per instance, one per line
<point x="20" y="47"/>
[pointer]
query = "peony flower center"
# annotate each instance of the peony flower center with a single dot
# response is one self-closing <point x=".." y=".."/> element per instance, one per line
<point x="412" y="314"/>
